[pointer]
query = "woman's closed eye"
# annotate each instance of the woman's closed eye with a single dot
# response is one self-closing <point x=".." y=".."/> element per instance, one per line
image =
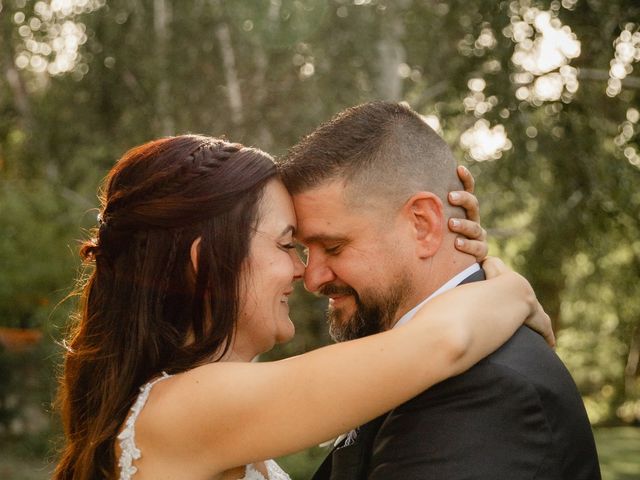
<point x="287" y="246"/>
<point x="299" y="249"/>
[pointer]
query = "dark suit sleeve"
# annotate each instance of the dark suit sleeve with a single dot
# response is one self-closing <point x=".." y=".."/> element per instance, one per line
<point x="486" y="424"/>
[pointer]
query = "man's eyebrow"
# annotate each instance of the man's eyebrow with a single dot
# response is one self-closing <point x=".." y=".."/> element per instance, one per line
<point x="322" y="238"/>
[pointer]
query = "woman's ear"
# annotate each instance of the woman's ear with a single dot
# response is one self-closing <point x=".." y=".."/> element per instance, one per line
<point x="195" y="251"/>
<point x="424" y="210"/>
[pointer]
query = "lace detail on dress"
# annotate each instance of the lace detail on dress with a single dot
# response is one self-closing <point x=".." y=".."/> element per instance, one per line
<point x="127" y="437"/>
<point x="129" y="451"/>
<point x="273" y="470"/>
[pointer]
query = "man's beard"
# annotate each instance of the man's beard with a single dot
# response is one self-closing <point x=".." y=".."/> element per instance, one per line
<point x="375" y="311"/>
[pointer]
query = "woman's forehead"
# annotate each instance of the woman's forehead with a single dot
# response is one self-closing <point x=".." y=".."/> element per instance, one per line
<point x="276" y="209"/>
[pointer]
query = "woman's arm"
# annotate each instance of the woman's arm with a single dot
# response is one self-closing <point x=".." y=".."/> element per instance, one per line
<point x="227" y="414"/>
<point x="538" y="320"/>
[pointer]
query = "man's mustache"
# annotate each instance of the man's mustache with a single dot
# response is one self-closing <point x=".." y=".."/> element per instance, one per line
<point x="331" y="289"/>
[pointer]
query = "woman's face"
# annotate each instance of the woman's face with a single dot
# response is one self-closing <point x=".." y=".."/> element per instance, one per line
<point x="267" y="281"/>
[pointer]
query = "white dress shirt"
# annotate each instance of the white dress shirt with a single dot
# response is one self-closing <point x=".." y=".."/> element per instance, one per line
<point x="454" y="282"/>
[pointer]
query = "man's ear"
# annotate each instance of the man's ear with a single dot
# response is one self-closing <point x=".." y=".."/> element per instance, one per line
<point x="424" y="210"/>
<point x="194" y="252"/>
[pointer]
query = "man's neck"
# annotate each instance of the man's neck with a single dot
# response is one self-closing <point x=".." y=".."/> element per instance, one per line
<point x="452" y="283"/>
<point x="444" y="266"/>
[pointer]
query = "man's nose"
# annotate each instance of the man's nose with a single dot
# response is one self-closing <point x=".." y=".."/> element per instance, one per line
<point x="317" y="274"/>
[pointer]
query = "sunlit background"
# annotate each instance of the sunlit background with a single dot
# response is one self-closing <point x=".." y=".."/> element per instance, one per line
<point x="538" y="98"/>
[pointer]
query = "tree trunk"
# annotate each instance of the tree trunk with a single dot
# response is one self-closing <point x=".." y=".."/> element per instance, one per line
<point x="161" y="19"/>
<point x="391" y="54"/>
<point x="231" y="75"/>
<point x="15" y="82"/>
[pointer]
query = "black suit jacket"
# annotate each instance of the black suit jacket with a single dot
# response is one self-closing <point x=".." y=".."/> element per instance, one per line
<point x="516" y="415"/>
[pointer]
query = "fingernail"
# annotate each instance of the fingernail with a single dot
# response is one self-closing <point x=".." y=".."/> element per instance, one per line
<point x="454" y="195"/>
<point x="459" y="242"/>
<point x="455" y="222"/>
<point x="465" y="169"/>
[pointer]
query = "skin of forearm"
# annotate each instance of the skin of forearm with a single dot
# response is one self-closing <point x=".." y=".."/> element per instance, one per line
<point x="333" y="389"/>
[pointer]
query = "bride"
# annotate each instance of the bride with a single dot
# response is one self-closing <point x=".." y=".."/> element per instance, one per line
<point x="192" y="269"/>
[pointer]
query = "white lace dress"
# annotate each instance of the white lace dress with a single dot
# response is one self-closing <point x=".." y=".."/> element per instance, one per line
<point x="130" y="452"/>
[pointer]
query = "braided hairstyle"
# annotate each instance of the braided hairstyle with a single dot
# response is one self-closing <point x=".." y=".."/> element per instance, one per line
<point x="143" y="308"/>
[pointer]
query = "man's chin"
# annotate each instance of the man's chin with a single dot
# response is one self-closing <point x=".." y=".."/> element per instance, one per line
<point x="338" y="334"/>
<point x="343" y="328"/>
<point x="349" y="324"/>
<point x="339" y="324"/>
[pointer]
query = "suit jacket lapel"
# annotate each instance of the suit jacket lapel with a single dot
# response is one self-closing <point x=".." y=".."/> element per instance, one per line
<point x="474" y="277"/>
<point x="324" y="471"/>
<point x="343" y="463"/>
<point x="350" y="462"/>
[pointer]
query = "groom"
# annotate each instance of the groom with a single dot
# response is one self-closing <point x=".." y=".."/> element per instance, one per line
<point x="369" y="189"/>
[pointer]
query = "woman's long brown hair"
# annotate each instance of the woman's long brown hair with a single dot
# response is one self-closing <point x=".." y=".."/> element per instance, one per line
<point x="141" y="312"/>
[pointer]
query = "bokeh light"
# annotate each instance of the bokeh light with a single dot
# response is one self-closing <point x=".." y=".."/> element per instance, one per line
<point x="51" y="39"/>
<point x="627" y="51"/>
<point x="544" y="47"/>
<point x="483" y="142"/>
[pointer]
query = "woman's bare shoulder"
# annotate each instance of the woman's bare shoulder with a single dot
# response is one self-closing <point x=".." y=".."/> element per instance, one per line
<point x="185" y="412"/>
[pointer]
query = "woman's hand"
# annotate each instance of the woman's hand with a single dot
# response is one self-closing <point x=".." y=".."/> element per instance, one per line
<point x="538" y="319"/>
<point x="473" y="238"/>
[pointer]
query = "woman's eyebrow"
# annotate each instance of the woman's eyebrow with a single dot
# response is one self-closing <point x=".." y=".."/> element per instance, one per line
<point x="288" y="228"/>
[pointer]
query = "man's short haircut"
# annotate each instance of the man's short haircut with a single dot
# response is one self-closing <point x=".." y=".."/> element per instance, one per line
<point x="380" y="150"/>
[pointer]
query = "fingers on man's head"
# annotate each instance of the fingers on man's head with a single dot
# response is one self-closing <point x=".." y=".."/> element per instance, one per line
<point x="466" y="178"/>
<point x="468" y="201"/>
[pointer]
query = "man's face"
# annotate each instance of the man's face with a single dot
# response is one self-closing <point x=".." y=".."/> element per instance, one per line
<point x="355" y="258"/>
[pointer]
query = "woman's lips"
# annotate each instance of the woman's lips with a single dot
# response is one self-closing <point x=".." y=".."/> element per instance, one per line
<point x="285" y="297"/>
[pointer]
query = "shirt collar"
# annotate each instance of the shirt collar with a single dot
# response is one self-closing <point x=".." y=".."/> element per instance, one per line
<point x="453" y="282"/>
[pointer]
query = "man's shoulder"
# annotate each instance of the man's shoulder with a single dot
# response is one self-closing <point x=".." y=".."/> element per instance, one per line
<point x="520" y="400"/>
<point x="525" y="362"/>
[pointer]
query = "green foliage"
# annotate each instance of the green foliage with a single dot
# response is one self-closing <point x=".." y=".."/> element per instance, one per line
<point x="26" y="382"/>
<point x="36" y="262"/>
<point x="618" y="452"/>
<point x="300" y="466"/>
